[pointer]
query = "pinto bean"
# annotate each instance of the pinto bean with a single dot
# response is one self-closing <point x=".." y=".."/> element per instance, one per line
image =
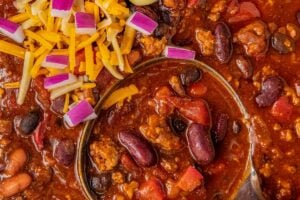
<point x="223" y="46"/>
<point x="14" y="185"/>
<point x="16" y="162"/>
<point x="139" y="148"/>
<point x="220" y="127"/>
<point x="244" y="66"/>
<point x="270" y="92"/>
<point x="190" y="76"/>
<point x="200" y="144"/>
<point x="29" y="122"/>
<point x="283" y="43"/>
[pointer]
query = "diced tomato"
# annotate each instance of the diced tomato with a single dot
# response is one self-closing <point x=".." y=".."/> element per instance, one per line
<point x="39" y="133"/>
<point x="247" y="10"/>
<point x="197" y="89"/>
<point x="152" y="190"/>
<point x="190" y="180"/>
<point x="282" y="109"/>
<point x="195" y="110"/>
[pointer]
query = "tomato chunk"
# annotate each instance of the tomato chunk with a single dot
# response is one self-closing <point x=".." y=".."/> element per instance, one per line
<point x="190" y="180"/>
<point x="195" y="110"/>
<point x="247" y="10"/>
<point x="282" y="109"/>
<point x="152" y="190"/>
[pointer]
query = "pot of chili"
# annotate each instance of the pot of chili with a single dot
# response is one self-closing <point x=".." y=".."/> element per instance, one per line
<point x="173" y="129"/>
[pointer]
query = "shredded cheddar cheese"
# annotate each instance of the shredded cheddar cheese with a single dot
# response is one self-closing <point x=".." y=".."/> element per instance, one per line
<point x="12" y="85"/>
<point x="67" y="102"/>
<point x="12" y="49"/>
<point x="120" y="95"/>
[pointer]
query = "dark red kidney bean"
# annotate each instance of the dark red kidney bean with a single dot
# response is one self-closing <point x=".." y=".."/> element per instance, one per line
<point x="283" y="43"/>
<point x="177" y="124"/>
<point x="200" y="144"/>
<point x="141" y="151"/>
<point x="220" y="127"/>
<point x="298" y="16"/>
<point x="29" y="122"/>
<point x="190" y="76"/>
<point x="57" y="105"/>
<point x="236" y="127"/>
<point x="101" y="183"/>
<point x="64" y="152"/>
<point x="223" y="46"/>
<point x="271" y="90"/>
<point x="244" y="66"/>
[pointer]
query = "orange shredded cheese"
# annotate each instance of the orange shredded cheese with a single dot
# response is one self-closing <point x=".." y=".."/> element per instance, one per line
<point x="37" y="64"/>
<point x="87" y="42"/>
<point x="11" y="49"/>
<point x="72" y="47"/>
<point x="38" y="38"/>
<point x="89" y="60"/>
<point x="88" y="85"/>
<point x="12" y="85"/>
<point x="21" y="17"/>
<point x="67" y="103"/>
<point x="120" y="95"/>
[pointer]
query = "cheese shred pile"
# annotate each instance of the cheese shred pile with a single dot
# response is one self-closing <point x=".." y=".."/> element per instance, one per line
<point x="107" y="48"/>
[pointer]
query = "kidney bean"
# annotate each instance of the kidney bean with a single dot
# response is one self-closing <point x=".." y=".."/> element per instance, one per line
<point x="16" y="161"/>
<point x="220" y="127"/>
<point x="236" y="127"/>
<point x="200" y="144"/>
<point x="64" y="152"/>
<point x="101" y="182"/>
<point x="270" y="92"/>
<point x="29" y="122"/>
<point x="244" y="66"/>
<point x="141" y="151"/>
<point x="223" y="46"/>
<point x="298" y="16"/>
<point x="14" y="185"/>
<point x="57" y="105"/>
<point x="190" y="76"/>
<point x="283" y="43"/>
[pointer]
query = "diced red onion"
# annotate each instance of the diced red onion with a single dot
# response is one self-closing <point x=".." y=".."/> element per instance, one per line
<point x="179" y="53"/>
<point x="81" y="112"/>
<point x="61" y="8"/>
<point x="85" y="23"/>
<point x="56" y="61"/>
<point x="12" y="30"/>
<point x="142" y="23"/>
<point x="59" y="80"/>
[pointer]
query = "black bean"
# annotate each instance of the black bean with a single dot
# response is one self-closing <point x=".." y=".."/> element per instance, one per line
<point x="223" y="46"/>
<point x="270" y="92"/>
<point x="177" y="124"/>
<point x="200" y="144"/>
<point x="220" y="127"/>
<point x="64" y="152"/>
<point x="283" y="43"/>
<point x="29" y="122"/>
<point x="190" y="76"/>
<point x="236" y="127"/>
<point x="244" y="66"/>
<point x="101" y="183"/>
<point x="298" y="16"/>
<point x="141" y="151"/>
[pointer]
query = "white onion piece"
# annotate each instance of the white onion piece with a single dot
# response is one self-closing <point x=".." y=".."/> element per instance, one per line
<point x="81" y="112"/>
<point x="85" y="23"/>
<point x="142" y="2"/>
<point x="142" y="23"/>
<point x="179" y="53"/>
<point x="59" y="80"/>
<point x="12" y="30"/>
